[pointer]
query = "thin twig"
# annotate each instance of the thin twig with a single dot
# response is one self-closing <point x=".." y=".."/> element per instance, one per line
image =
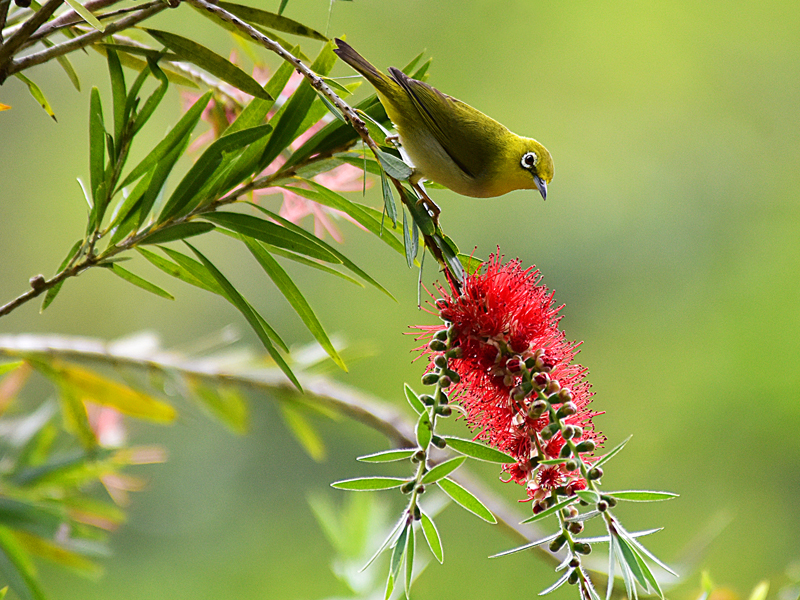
<point x="21" y="35"/>
<point x="86" y="39"/>
<point x="70" y="18"/>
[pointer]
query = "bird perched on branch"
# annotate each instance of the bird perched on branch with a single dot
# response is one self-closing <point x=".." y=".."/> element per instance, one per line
<point x="451" y="143"/>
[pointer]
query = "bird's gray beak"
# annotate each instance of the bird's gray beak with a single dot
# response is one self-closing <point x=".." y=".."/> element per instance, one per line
<point x="541" y="186"/>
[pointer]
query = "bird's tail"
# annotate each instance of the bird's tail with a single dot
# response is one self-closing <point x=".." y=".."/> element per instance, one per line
<point x="346" y="52"/>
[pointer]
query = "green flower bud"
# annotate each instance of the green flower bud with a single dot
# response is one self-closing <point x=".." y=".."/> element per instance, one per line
<point x="568" y="432"/>
<point x="445" y="381"/>
<point x="558" y="543"/>
<point x="537" y="409"/>
<point x="407" y="487"/>
<point x="430" y="379"/>
<point x="417" y="513"/>
<point x="418" y="456"/>
<point x="575" y="527"/>
<point x="566" y="451"/>
<point x="441" y="335"/>
<point x="454" y="377"/>
<point x="553" y="387"/>
<point x="439" y="442"/>
<point x="567" y="410"/>
<point x="582" y="548"/>
<point x="454" y="352"/>
<point x="440" y="361"/>
<point x="586" y="446"/>
<point x="565" y="395"/>
<point x="427" y="399"/>
<point x="575" y="562"/>
<point x="437" y="345"/>
<point x="420" y="489"/>
<point x="595" y="473"/>
<point x="452" y="332"/>
<point x="573" y="577"/>
<point x="571" y="465"/>
<point x="602" y="506"/>
<point x="444" y="411"/>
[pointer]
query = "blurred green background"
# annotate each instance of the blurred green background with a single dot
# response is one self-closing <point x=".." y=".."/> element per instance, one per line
<point x="671" y="232"/>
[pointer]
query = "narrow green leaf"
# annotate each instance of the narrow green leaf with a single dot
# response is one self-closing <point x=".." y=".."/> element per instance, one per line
<point x="443" y="470"/>
<point x="282" y="7"/>
<point x="161" y="172"/>
<point x="604" y="539"/>
<point x="86" y="14"/>
<point x="632" y="538"/>
<point x="604" y="459"/>
<point x="271" y="20"/>
<point x="181" y="231"/>
<point x="50" y="295"/>
<point x="138" y="281"/>
<point x="97" y="146"/>
<point x="369" y="484"/>
<point x="466" y="500"/>
<point x="271" y="233"/>
<point x="295" y="297"/>
<point x="235" y="298"/>
<point x="118" y="93"/>
<point x="409" y="559"/>
<point x="478" y="450"/>
<point x="641" y="495"/>
<point x="195" y="269"/>
<point x="589" y="496"/>
<point x="378" y="457"/>
<point x="413" y="399"/>
<point x="399" y="552"/>
<point x="304" y="432"/>
<point x="17" y="569"/>
<point x="181" y="129"/>
<point x="331" y="108"/>
<point x="630" y="557"/>
<point x="388" y="198"/>
<point x="395" y="167"/>
<point x="559" y="582"/>
<point x="296" y="108"/>
<point x="155" y="98"/>
<point x="627" y="576"/>
<point x="407" y="241"/>
<point x="210" y="61"/>
<point x="184" y="195"/>
<point x="424" y="430"/>
<point x="177" y="271"/>
<point x="432" y="536"/>
<point x="37" y="94"/>
<point x="552" y="510"/>
<point x="527" y="546"/>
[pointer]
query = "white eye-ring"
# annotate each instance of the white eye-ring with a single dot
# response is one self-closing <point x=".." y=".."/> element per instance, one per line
<point x="529" y="160"/>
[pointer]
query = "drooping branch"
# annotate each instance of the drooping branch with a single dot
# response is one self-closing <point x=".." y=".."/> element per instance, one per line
<point x="344" y="400"/>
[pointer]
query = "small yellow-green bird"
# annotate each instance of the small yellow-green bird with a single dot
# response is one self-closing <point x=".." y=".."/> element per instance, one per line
<point x="451" y="143"/>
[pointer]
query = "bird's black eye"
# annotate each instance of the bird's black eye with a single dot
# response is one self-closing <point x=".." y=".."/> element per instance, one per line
<point x="529" y="160"/>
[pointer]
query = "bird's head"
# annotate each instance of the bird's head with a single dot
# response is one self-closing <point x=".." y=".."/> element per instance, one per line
<point x="536" y="160"/>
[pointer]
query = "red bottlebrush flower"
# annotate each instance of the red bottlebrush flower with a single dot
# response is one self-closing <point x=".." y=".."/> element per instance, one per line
<point x="501" y="321"/>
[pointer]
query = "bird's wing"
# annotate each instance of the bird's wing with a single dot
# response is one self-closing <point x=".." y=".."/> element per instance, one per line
<point x="460" y="129"/>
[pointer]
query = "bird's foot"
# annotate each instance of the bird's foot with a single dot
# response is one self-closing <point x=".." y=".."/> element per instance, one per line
<point x="394" y="140"/>
<point x="429" y="206"/>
